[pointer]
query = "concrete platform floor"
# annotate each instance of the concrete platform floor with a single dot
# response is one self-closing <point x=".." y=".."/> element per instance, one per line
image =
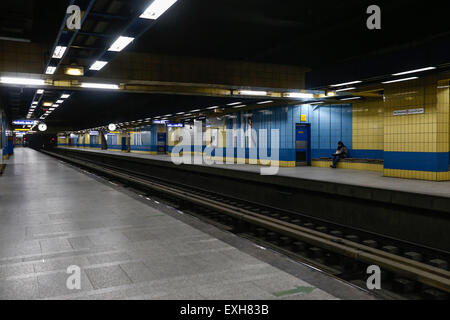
<point x="53" y="216"/>
<point x="351" y="177"/>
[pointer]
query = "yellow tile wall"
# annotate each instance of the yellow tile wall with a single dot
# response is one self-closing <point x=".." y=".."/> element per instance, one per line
<point x="411" y="133"/>
<point x="368" y="125"/>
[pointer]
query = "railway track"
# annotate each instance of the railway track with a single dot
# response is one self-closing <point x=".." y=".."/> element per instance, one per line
<point x="409" y="271"/>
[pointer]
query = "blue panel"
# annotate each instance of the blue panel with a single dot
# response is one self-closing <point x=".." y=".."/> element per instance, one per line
<point x="418" y="161"/>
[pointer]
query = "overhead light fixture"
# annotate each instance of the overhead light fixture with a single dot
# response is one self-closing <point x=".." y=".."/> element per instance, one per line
<point x="252" y="93"/>
<point x="157" y="8"/>
<point x="212" y="108"/>
<point x="40" y="91"/>
<point x="22" y="81"/>
<point x="317" y="102"/>
<point x="353" y="98"/>
<point x="51" y="109"/>
<point x="241" y="106"/>
<point x="98" y="65"/>
<point x="60" y="101"/>
<point x="65" y="96"/>
<point x="50" y="70"/>
<point x="91" y="85"/>
<point x="55" y="105"/>
<point x="265" y="102"/>
<point x="196" y="110"/>
<point x="47" y="104"/>
<point x="120" y="43"/>
<point x="299" y="95"/>
<point x="34" y="103"/>
<point x="234" y="103"/>
<point x="345" y="84"/>
<point x="414" y="71"/>
<point x="400" y="80"/>
<point x="74" y="71"/>
<point x="179" y="113"/>
<point x="59" y="52"/>
<point x="346" y="89"/>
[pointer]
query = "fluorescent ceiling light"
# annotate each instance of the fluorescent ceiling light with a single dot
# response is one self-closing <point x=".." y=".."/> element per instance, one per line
<point x="265" y="102"/>
<point x="196" y="110"/>
<point x="211" y="108"/>
<point x="99" y="86"/>
<point x="34" y="103"/>
<point x="98" y="65"/>
<point x="414" y="71"/>
<point x="65" y="96"/>
<point x="23" y="81"/>
<point x="234" y="103"/>
<point x="400" y="80"/>
<point x="252" y="93"/>
<point x="120" y="43"/>
<point x="50" y="70"/>
<point x="346" y="89"/>
<point x="59" y="52"/>
<point x="353" y="98"/>
<point x="345" y="84"/>
<point x="318" y="102"/>
<point x="240" y="106"/>
<point x="157" y="8"/>
<point x="51" y="109"/>
<point x="55" y="105"/>
<point x="300" y="95"/>
<point x="74" y="71"/>
<point x="60" y="101"/>
<point x="181" y="113"/>
<point x="47" y="104"/>
<point x="40" y="91"/>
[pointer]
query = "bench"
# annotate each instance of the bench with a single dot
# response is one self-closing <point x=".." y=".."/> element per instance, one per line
<point x="353" y="160"/>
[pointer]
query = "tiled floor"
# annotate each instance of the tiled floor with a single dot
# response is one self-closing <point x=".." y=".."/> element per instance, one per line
<point x="350" y="177"/>
<point x="53" y="216"/>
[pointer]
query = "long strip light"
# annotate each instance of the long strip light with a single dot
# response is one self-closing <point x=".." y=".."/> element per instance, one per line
<point x="98" y="65"/>
<point x="23" y="81"/>
<point x="120" y="43"/>
<point x="252" y="93"/>
<point x="346" y="89"/>
<point x="265" y="102"/>
<point x="65" y="96"/>
<point x="345" y="84"/>
<point x="400" y="80"/>
<point x="300" y="95"/>
<point x="234" y="103"/>
<point x="414" y="71"/>
<point x="59" y="52"/>
<point x="157" y="9"/>
<point x="91" y="85"/>
<point x="353" y="98"/>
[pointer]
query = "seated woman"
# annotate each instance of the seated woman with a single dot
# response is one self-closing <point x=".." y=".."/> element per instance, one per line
<point x="341" y="153"/>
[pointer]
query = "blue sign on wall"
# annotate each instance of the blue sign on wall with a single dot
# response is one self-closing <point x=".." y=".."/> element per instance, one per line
<point x="23" y="122"/>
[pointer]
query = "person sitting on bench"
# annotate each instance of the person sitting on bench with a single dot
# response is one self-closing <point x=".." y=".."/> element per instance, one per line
<point x="341" y="153"/>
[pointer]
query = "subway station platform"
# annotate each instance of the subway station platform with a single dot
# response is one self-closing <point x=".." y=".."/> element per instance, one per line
<point x="368" y="179"/>
<point x="128" y="247"/>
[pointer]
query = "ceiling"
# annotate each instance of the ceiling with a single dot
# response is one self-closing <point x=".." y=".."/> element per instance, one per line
<point x="322" y="35"/>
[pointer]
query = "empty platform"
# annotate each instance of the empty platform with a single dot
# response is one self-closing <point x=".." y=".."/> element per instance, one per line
<point x="367" y="179"/>
<point x="53" y="216"/>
